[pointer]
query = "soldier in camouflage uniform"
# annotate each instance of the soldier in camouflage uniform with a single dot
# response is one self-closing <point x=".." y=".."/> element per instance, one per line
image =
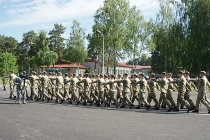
<point x="202" y="83"/>
<point x="100" y="88"/>
<point x="85" y="96"/>
<point x="126" y="91"/>
<point x="40" y="85"/>
<point x="164" y="87"/>
<point x="92" y="89"/>
<point x="50" y="84"/>
<point x="171" y="88"/>
<point x="73" y="84"/>
<point x="34" y="84"/>
<point x="59" y="87"/>
<point x="135" y="88"/>
<point x="152" y="88"/>
<point x="189" y="86"/>
<point x="80" y="87"/>
<point x="112" y="84"/>
<point x="106" y="88"/>
<point x="53" y="81"/>
<point x="66" y="87"/>
<point x="181" y="91"/>
<point x="142" y="91"/>
<point x="119" y="89"/>
<point x="44" y="82"/>
<point x="12" y="76"/>
<point x="19" y="87"/>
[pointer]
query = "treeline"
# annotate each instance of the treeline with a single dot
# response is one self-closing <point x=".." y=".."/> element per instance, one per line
<point x="177" y="39"/>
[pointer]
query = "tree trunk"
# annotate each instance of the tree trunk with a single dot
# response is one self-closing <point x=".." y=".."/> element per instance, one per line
<point x="21" y="65"/>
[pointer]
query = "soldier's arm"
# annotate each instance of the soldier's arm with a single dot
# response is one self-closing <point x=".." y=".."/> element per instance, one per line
<point x="157" y="86"/>
<point x="193" y="85"/>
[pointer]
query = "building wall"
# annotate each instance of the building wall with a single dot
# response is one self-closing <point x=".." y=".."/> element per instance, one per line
<point x="73" y="70"/>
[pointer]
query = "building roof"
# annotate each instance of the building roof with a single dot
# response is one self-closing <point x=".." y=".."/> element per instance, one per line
<point x="74" y="65"/>
<point x="123" y="64"/>
<point x="139" y="67"/>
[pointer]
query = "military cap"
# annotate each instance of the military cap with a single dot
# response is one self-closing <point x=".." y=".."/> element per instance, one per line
<point x="170" y="74"/>
<point x="203" y="72"/>
<point x="101" y="75"/>
<point x="187" y="72"/>
<point x="12" y="71"/>
<point x="93" y="75"/>
<point x="152" y="74"/>
<point x="142" y="74"/>
<point x="105" y="75"/>
<point x="86" y="74"/>
<point x="34" y="72"/>
<point x="66" y="74"/>
<point x="53" y="73"/>
<point x="50" y="73"/>
<point x="59" y="72"/>
<point x="74" y="73"/>
<point x="24" y="72"/>
<point x="125" y="74"/>
<point x="112" y="75"/>
<point x="44" y="72"/>
<point x="135" y="75"/>
<point x="180" y="72"/>
<point x="119" y="75"/>
<point x="164" y="73"/>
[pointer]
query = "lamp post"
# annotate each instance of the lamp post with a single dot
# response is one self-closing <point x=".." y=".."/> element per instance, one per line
<point x="99" y="32"/>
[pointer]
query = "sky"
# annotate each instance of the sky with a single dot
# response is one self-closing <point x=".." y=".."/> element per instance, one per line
<point x="20" y="16"/>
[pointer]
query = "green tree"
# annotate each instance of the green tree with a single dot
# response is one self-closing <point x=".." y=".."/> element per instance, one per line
<point x="44" y="56"/>
<point x="8" y="62"/>
<point x="56" y="40"/>
<point x="75" y="51"/>
<point x="8" y="44"/>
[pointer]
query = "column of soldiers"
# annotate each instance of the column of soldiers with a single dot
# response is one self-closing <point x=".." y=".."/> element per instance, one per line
<point x="123" y="91"/>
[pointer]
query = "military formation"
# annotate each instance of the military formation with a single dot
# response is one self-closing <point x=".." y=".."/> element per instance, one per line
<point x="107" y="90"/>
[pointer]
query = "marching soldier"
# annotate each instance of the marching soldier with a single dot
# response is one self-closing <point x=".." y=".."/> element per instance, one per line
<point x="152" y="88"/>
<point x="73" y="84"/>
<point x="50" y="84"/>
<point x="112" y="84"/>
<point x="100" y="87"/>
<point x="106" y="88"/>
<point x="189" y="86"/>
<point x="142" y="91"/>
<point x="119" y="89"/>
<point x="12" y="76"/>
<point x="171" y="88"/>
<point x="34" y="84"/>
<point x="59" y="87"/>
<point x="80" y="87"/>
<point x="135" y="88"/>
<point x="45" y="82"/>
<point x="86" y="82"/>
<point x="53" y="81"/>
<point x="164" y="87"/>
<point x="40" y="85"/>
<point x="92" y="89"/>
<point x="181" y="91"/>
<point x="126" y="90"/>
<point x="66" y="87"/>
<point x="4" y="80"/>
<point x="202" y="83"/>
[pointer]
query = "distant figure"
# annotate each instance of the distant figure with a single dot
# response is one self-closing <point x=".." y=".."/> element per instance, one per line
<point x="4" y="80"/>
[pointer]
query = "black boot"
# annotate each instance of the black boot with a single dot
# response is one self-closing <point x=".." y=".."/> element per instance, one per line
<point x="48" y="99"/>
<point x="122" y="106"/>
<point x="105" y="104"/>
<point x="91" y="103"/>
<point x="131" y="106"/>
<point x="84" y="103"/>
<point x="208" y="111"/>
<point x="62" y="101"/>
<point x="170" y="108"/>
<point x="148" y="107"/>
<point x="195" y="111"/>
<point x="70" y="102"/>
<point x="38" y="99"/>
<point x="176" y="109"/>
<point x="189" y="109"/>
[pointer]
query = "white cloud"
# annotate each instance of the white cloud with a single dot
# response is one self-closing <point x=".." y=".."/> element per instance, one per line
<point x="24" y="12"/>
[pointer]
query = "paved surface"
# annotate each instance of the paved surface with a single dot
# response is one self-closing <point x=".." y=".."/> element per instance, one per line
<point x="50" y="121"/>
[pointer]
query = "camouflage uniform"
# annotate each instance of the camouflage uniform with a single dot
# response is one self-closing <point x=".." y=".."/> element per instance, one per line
<point x="12" y="85"/>
<point x="152" y="95"/>
<point x="66" y="87"/>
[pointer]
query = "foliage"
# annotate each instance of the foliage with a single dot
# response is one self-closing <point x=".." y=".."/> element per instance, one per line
<point x="8" y="63"/>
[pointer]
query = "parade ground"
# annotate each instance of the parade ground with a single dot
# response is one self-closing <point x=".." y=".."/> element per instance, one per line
<point x="51" y="121"/>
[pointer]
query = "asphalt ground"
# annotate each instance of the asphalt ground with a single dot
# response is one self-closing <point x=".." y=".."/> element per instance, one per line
<point x="51" y="121"/>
